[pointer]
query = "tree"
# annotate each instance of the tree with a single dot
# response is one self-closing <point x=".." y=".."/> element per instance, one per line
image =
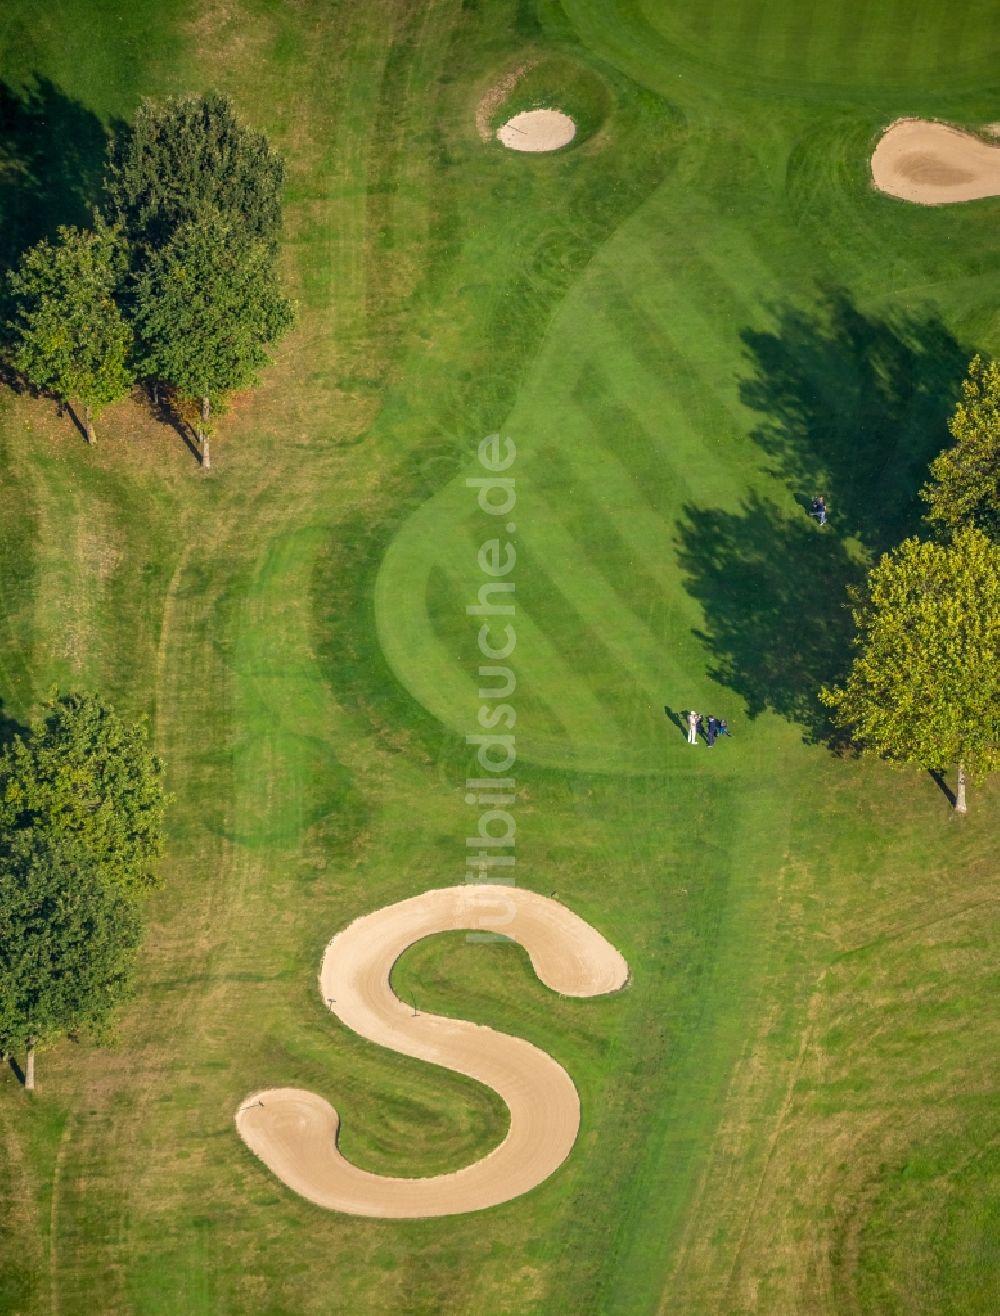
<point x="67" y="335"/>
<point x="925" y="684"/>
<point x="184" y="156"/>
<point x="206" y="309"/>
<point x="83" y="774"/>
<point x="965" y="488"/>
<point x="68" y="941"/>
<point x="198" y="197"/>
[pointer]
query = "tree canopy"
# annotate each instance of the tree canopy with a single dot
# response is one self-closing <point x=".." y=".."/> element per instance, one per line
<point x="84" y="775"/>
<point x="177" y="281"/>
<point x="925" y="684"/>
<point x="207" y="307"/>
<point x="68" y="941"/>
<point x="965" y="484"/>
<point x="67" y="335"/>
<point x="187" y="154"/>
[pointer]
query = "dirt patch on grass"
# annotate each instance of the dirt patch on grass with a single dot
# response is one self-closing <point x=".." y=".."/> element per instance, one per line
<point x="495" y="97"/>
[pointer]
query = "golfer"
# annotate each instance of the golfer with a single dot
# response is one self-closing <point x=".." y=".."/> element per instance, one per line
<point x="692" y="727"/>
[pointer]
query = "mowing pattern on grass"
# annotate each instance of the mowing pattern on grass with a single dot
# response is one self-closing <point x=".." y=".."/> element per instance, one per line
<point x="690" y="323"/>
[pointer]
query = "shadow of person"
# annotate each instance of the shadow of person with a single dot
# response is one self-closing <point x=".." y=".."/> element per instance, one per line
<point x="678" y="719"/>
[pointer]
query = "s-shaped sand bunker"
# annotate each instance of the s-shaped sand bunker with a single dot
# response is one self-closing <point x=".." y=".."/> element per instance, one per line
<point x="295" y="1132"/>
<point x="933" y="165"/>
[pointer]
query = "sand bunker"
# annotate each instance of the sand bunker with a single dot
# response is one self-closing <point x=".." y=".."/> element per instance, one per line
<point x="294" y="1132"/>
<point x="932" y="164"/>
<point x="537" y="130"/>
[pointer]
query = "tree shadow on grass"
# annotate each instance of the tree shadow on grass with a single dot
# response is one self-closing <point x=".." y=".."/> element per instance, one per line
<point x="855" y="405"/>
<point x="165" y="406"/>
<point x="773" y="590"/>
<point x="938" y="779"/>
<point x="52" y="153"/>
<point x="10" y="728"/>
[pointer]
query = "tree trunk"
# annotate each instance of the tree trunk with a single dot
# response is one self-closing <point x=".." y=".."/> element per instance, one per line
<point x="29" y="1069"/>
<point x="88" y="414"/>
<point x="206" y="456"/>
<point x="960" y="790"/>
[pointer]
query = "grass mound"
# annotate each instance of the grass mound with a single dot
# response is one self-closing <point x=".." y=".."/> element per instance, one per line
<point x="556" y="82"/>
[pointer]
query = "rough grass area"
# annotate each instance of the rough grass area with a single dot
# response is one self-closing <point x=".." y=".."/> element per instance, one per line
<point x="689" y="325"/>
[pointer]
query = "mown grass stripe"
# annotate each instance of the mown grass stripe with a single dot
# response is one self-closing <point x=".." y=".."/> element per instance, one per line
<point x="549" y="677"/>
<point x="601" y="503"/>
<point x="634" y="646"/>
<point x="435" y="660"/>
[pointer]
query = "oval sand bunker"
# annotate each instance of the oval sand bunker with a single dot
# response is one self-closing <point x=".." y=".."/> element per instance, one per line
<point x="932" y="164"/>
<point x="537" y="130"/>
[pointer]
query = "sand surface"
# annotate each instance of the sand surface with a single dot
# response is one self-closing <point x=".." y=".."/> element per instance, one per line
<point x="294" y="1132"/>
<point x="537" y="130"/>
<point x="932" y="164"/>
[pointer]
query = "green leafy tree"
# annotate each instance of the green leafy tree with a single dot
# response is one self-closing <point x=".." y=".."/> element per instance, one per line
<point x="67" y="335"/>
<point x="207" y="308"/>
<point x="184" y="156"/>
<point x="84" y="775"/>
<point x="68" y="941"/>
<point x="925" y="684"/>
<point x="965" y="485"/>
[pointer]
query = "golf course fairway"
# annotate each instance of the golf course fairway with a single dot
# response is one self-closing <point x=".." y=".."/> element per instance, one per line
<point x="689" y="320"/>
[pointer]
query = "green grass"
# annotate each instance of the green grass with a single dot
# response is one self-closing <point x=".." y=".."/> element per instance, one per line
<point x="689" y="322"/>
